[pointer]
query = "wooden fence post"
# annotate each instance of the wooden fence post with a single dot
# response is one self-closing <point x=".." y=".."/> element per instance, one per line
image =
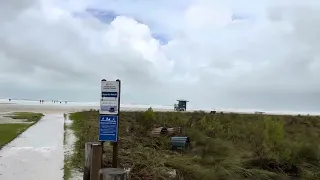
<point x="96" y="161"/>
<point x="87" y="161"/>
<point x="93" y="154"/>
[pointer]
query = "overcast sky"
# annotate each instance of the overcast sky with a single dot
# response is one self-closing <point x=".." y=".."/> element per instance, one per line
<point x="224" y="54"/>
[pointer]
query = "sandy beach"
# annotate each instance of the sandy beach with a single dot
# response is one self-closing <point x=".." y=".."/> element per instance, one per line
<point x="42" y="108"/>
<point x="50" y="107"/>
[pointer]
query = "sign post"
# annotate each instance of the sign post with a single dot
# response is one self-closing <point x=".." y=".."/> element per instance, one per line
<point x="109" y="115"/>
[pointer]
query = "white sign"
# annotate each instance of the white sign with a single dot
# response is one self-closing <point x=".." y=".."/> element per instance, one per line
<point x="109" y="99"/>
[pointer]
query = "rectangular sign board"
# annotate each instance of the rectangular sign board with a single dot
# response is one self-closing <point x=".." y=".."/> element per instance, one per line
<point x="109" y="99"/>
<point x="108" y="128"/>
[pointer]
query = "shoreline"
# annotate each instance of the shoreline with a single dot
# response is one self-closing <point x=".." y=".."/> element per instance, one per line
<point x="50" y="108"/>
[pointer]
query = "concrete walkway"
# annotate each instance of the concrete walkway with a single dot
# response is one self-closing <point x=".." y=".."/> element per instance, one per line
<point x="37" y="153"/>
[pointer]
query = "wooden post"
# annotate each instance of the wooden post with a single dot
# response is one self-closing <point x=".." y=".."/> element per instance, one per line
<point x="113" y="174"/>
<point x="115" y="155"/>
<point x="93" y="154"/>
<point x="87" y="161"/>
<point x="95" y="161"/>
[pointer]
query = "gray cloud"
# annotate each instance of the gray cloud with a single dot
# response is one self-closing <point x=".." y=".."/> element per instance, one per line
<point x="270" y="63"/>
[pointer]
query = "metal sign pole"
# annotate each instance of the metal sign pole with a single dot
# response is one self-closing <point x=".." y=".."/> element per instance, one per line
<point x="115" y="144"/>
<point x="102" y="142"/>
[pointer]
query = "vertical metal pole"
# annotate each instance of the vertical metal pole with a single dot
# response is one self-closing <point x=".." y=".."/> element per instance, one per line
<point x="102" y="146"/>
<point x="102" y="142"/>
<point x="115" y="144"/>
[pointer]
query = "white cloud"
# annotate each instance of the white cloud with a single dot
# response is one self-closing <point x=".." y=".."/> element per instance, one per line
<point x="268" y="61"/>
<point x="207" y="14"/>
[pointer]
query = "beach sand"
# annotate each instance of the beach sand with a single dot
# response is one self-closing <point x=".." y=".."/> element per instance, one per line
<point x="42" y="108"/>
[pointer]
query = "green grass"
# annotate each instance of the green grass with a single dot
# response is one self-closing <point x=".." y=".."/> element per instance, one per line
<point x="67" y="169"/>
<point x="10" y="131"/>
<point x="224" y="146"/>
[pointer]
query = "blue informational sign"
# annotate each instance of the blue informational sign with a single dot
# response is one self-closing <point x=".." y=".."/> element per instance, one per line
<point x="108" y="129"/>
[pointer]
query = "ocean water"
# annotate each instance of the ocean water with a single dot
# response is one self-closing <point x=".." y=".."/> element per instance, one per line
<point x="153" y="106"/>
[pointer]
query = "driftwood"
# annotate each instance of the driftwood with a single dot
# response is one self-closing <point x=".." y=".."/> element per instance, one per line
<point x="93" y="155"/>
<point x="163" y="131"/>
<point x="174" y="131"/>
<point x="113" y="174"/>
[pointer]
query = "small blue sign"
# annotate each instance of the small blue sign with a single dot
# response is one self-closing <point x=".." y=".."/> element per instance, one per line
<point x="108" y="129"/>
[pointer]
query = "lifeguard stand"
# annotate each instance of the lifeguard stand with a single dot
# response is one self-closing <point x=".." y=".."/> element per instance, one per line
<point x="181" y="106"/>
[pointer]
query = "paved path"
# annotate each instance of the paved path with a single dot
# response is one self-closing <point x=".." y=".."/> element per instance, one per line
<point x="37" y="153"/>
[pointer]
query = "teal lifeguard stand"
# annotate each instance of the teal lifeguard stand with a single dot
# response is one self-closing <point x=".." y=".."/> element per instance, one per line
<point x="181" y="106"/>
